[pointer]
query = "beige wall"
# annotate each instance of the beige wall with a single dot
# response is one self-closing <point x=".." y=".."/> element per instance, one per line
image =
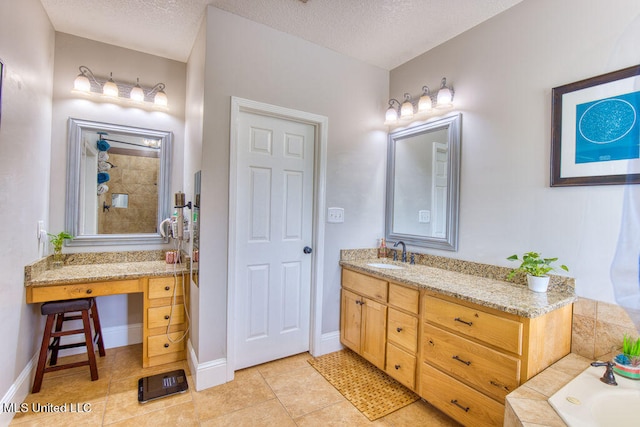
<point x="26" y="48"/>
<point x="503" y="71"/>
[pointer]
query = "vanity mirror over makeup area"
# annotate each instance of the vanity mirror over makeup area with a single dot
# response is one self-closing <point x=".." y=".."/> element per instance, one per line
<point x="118" y="180"/>
<point x="423" y="180"/>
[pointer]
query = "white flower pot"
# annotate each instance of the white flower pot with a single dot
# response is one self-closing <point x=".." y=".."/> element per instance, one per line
<point x="538" y="283"/>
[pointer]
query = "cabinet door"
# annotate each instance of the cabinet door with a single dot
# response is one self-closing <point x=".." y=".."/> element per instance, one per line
<point x="350" y="320"/>
<point x="374" y="332"/>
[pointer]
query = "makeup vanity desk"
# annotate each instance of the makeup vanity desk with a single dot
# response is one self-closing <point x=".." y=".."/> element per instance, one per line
<point x="123" y="273"/>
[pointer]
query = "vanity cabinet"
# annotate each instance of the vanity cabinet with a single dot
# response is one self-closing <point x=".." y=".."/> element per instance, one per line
<point x="364" y="316"/>
<point x="473" y="356"/>
<point x="165" y="322"/>
<point x="379" y="321"/>
<point x="402" y="334"/>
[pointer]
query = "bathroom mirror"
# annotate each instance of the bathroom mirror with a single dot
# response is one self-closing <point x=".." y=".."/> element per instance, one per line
<point x="423" y="174"/>
<point x="118" y="180"/>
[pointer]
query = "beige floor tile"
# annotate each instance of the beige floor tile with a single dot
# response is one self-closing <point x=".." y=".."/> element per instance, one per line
<point x="183" y="415"/>
<point x="269" y="413"/>
<point x="247" y="389"/>
<point x="419" y="413"/>
<point x="285" y="365"/>
<point x="274" y="393"/>
<point x="303" y="390"/>
<point x="85" y="414"/>
<point x="338" y="414"/>
<point x="123" y="402"/>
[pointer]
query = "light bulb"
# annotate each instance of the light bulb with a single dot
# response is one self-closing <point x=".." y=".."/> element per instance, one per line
<point x="137" y="94"/>
<point x="161" y="99"/>
<point x="391" y="116"/>
<point x="82" y="83"/>
<point x="110" y="88"/>
<point x="406" y="111"/>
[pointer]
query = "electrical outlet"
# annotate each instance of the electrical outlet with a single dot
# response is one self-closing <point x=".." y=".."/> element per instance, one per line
<point x="335" y="215"/>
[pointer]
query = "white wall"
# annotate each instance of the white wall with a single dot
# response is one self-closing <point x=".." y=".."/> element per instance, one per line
<point x="252" y="61"/>
<point x="126" y="65"/>
<point x="503" y="71"/>
<point x="26" y="48"/>
<point x="193" y="146"/>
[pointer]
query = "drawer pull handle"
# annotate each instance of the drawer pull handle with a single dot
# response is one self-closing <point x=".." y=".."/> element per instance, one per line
<point x="399" y="329"/>
<point x="166" y="317"/>
<point x="464" y="408"/>
<point x="397" y="367"/>
<point x="502" y="386"/>
<point x="167" y="288"/>
<point x="431" y="342"/>
<point x="457" y="319"/>
<point x="466" y="362"/>
<point x="89" y="291"/>
<point x="166" y="345"/>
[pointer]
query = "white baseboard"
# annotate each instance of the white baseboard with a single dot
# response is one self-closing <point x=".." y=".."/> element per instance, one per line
<point x="208" y="374"/>
<point x="17" y="392"/>
<point x="329" y="343"/>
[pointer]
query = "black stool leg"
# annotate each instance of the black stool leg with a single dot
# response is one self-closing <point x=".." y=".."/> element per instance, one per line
<point x="97" y="328"/>
<point x="55" y="345"/>
<point x="42" y="359"/>
<point x="89" y="341"/>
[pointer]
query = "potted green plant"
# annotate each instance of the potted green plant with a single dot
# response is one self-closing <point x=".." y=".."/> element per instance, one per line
<point x="627" y="363"/>
<point x="57" y="240"/>
<point x="536" y="269"/>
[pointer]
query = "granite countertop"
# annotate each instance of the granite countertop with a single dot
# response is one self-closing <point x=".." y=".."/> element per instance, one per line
<point x="489" y="292"/>
<point x="97" y="267"/>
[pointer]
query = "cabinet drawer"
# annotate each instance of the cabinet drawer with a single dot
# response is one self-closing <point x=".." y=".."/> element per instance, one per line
<point x="488" y="370"/>
<point x="160" y="316"/>
<point x="82" y="290"/>
<point x="402" y="329"/>
<point x="401" y="366"/>
<point x="494" y="330"/>
<point x="160" y="344"/>
<point x="162" y="287"/>
<point x="365" y="285"/>
<point x="404" y="298"/>
<point x="459" y="401"/>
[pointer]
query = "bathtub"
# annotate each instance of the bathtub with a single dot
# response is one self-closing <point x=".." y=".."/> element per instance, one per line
<point x="586" y="401"/>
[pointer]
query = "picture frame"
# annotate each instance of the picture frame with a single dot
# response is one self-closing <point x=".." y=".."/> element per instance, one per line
<point x="595" y="130"/>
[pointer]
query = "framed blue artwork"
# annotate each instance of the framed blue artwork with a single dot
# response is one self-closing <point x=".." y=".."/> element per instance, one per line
<point x="595" y="134"/>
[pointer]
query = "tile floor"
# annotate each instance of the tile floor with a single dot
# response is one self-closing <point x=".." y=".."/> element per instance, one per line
<point x="287" y="392"/>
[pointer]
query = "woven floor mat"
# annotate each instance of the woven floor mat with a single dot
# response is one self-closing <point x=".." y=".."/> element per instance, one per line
<point x="369" y="389"/>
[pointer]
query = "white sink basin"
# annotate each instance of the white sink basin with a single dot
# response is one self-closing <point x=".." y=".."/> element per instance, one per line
<point x="586" y="401"/>
<point x="387" y="266"/>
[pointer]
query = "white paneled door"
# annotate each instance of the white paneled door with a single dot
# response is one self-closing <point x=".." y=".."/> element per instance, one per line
<point x="274" y="226"/>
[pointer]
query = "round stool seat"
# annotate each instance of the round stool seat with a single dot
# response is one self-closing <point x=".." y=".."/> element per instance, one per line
<point x="55" y="307"/>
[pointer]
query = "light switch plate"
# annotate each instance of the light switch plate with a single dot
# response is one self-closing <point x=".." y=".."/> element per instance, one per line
<point x="424" y="216"/>
<point x="335" y="215"/>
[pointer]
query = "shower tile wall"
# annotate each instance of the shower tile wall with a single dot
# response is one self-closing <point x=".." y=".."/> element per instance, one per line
<point x="137" y="177"/>
<point x="598" y="328"/>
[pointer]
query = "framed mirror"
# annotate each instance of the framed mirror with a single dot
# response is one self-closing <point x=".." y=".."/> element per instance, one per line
<point x="423" y="180"/>
<point x="118" y="180"/>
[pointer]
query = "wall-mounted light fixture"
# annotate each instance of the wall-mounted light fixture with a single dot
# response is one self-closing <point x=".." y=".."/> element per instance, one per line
<point x="405" y="111"/>
<point x="87" y="83"/>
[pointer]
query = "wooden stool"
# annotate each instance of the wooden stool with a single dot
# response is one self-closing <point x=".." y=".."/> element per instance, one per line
<point x="58" y="310"/>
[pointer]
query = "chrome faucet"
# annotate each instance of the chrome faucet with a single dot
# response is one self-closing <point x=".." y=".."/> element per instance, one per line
<point x="404" y="249"/>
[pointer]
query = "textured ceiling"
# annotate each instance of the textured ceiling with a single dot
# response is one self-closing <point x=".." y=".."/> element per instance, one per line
<point x="385" y="33"/>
